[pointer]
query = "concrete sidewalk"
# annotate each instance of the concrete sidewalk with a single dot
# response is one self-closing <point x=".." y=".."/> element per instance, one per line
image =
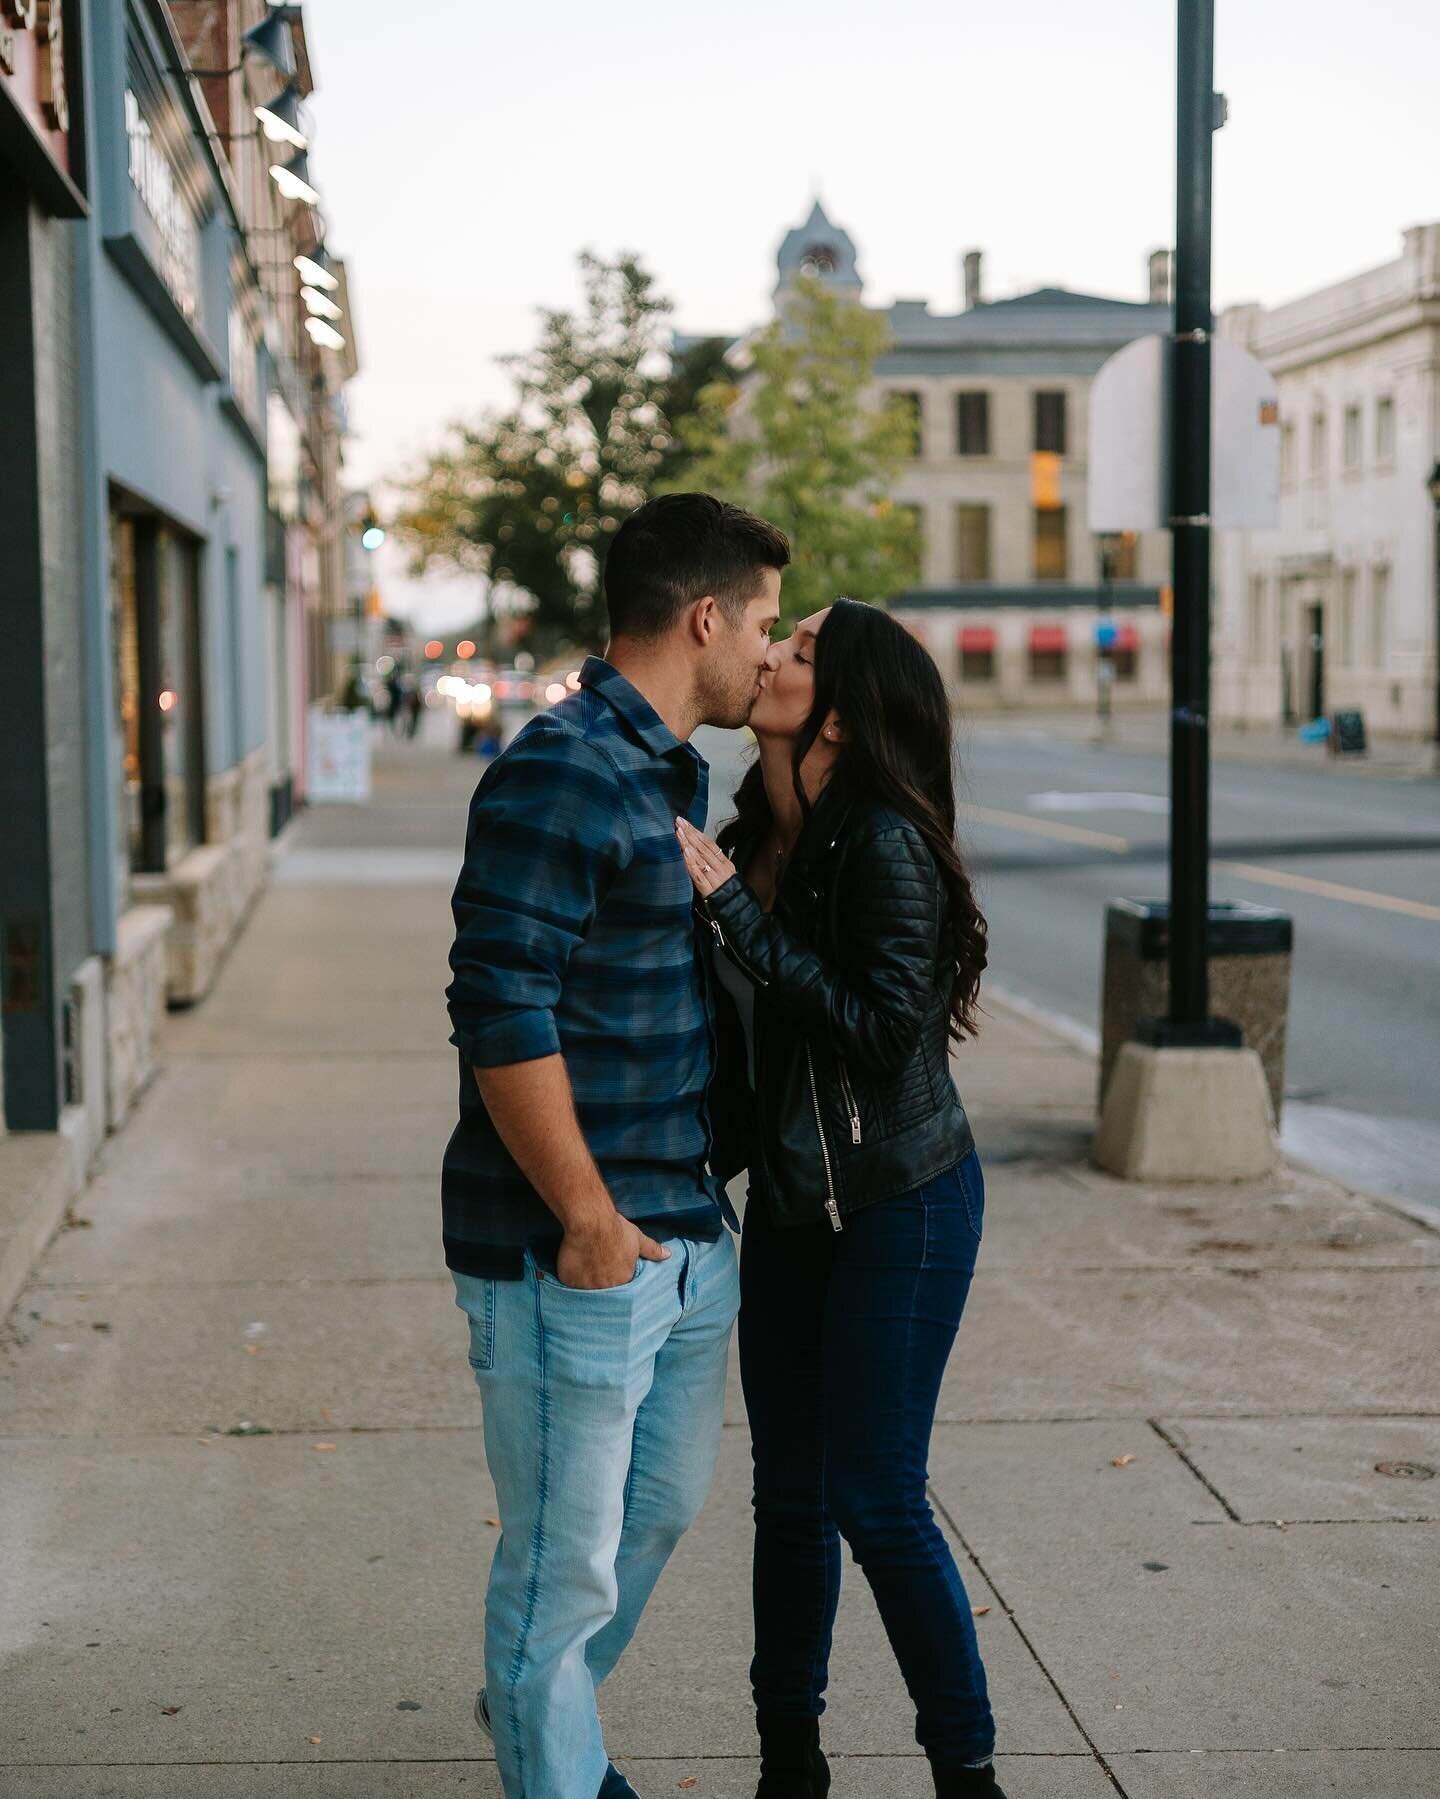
<point x="246" y="1518"/>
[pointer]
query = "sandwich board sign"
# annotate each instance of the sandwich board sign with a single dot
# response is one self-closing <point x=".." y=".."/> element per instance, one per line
<point x="1129" y="467"/>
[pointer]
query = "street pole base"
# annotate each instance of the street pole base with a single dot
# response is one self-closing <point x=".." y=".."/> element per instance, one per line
<point x="1211" y="1033"/>
<point x="1186" y="1114"/>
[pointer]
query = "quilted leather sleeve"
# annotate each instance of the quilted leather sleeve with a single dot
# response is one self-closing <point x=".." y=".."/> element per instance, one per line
<point x="871" y="1001"/>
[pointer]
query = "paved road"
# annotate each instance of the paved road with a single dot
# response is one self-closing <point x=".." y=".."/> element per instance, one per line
<point x="1059" y="827"/>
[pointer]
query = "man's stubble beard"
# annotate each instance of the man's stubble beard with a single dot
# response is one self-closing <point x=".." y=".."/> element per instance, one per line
<point x="729" y="707"/>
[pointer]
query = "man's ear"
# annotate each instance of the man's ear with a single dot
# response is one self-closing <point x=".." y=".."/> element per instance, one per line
<point x="704" y="618"/>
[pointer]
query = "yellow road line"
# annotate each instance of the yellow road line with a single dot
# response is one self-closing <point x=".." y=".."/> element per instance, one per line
<point x="1245" y="871"/>
<point x="1046" y="827"/>
<point x="1354" y="896"/>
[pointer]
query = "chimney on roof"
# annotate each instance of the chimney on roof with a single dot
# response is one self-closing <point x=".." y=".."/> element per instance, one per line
<point x="973" y="295"/>
<point x="1162" y="272"/>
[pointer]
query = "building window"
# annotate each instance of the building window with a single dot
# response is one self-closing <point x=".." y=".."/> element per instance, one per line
<point x="1385" y="430"/>
<point x="1256" y="622"/>
<point x="1050" y="423"/>
<point x="912" y="408"/>
<point x="1287" y="455"/>
<point x="1119" y="556"/>
<point x="1047" y="653"/>
<point x="1319" y="447"/>
<point x="972" y="543"/>
<point x="977" y="653"/>
<point x="972" y="424"/>
<point x="155" y="587"/>
<point x="1051" y="561"/>
<point x="916" y="516"/>
<point x="1352" y="447"/>
<point x="1379" y="615"/>
<point x="1349" y="587"/>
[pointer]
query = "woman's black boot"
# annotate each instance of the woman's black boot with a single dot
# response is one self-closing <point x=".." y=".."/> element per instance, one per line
<point x="791" y="1765"/>
<point x="955" y="1782"/>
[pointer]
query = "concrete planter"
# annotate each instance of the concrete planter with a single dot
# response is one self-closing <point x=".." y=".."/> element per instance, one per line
<point x="1250" y="954"/>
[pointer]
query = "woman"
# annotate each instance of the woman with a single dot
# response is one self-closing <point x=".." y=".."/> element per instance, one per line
<point x="848" y="952"/>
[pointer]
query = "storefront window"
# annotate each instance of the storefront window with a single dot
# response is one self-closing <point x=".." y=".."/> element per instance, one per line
<point x="155" y="585"/>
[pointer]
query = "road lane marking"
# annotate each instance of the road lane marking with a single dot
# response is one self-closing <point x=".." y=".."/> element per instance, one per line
<point x="1056" y="800"/>
<point x="1046" y="827"/>
<point x="1354" y="896"/>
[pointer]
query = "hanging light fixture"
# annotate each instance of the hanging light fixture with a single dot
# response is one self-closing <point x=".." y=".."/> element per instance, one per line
<point x="271" y="42"/>
<point x="293" y="178"/>
<point x="314" y="270"/>
<point x="318" y="305"/>
<point x="280" y="118"/>
<point x="326" y="336"/>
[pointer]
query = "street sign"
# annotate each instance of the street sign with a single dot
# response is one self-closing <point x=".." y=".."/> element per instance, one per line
<point x="1129" y="465"/>
<point x="1106" y="632"/>
<point x="339" y="760"/>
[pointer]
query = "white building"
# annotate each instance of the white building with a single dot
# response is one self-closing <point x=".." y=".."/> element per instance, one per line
<point x="1337" y="608"/>
<point x="1013" y="582"/>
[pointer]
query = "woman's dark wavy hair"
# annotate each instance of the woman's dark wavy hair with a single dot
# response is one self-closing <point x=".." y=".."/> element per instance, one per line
<point x="897" y="748"/>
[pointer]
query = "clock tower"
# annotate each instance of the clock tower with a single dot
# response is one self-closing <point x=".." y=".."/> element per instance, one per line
<point x="822" y="251"/>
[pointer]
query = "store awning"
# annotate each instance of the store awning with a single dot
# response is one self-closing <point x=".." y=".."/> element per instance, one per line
<point x="977" y="637"/>
<point x="1047" y="637"/>
<point x="1126" y="638"/>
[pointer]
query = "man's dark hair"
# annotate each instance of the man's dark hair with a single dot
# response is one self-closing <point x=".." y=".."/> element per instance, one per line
<point x="674" y="550"/>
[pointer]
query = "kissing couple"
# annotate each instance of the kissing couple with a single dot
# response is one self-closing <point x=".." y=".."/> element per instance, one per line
<point x="643" y="1012"/>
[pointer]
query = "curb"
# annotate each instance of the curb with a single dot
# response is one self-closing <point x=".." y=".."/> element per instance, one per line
<point x="42" y="1173"/>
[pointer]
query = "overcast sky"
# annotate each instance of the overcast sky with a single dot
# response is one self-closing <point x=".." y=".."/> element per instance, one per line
<point x="466" y="152"/>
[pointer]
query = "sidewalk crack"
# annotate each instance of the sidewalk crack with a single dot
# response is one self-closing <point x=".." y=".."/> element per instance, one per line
<point x="1204" y="1480"/>
<point x="1021" y="1632"/>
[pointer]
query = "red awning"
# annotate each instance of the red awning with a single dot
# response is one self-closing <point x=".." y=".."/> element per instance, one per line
<point x="1126" y="638"/>
<point x="1047" y="637"/>
<point x="977" y="637"/>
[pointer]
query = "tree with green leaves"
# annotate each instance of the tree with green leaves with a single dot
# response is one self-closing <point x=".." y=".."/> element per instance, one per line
<point x="530" y="497"/>
<point x="791" y="435"/>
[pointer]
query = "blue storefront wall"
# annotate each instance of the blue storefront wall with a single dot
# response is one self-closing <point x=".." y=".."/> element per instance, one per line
<point x="173" y="432"/>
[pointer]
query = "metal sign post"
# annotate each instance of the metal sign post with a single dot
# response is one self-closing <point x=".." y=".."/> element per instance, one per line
<point x="1199" y="112"/>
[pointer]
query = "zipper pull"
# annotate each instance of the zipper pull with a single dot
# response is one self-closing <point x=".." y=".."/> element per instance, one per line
<point x="854" y="1128"/>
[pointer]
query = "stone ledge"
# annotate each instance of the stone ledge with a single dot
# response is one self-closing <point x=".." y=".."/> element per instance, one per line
<point x="209" y="892"/>
<point x="134" y="1006"/>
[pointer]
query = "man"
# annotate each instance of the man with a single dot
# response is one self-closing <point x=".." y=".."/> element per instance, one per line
<point x="585" y="1232"/>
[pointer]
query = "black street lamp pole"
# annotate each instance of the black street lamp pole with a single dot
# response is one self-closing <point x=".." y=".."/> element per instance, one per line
<point x="1433" y="484"/>
<point x="1199" y="114"/>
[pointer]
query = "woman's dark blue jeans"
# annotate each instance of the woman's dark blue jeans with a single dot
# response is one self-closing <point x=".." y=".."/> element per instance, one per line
<point x="844" y="1336"/>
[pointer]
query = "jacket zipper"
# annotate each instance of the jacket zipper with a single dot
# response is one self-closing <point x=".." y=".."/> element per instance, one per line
<point x="849" y="1101"/>
<point x="830" y="1205"/>
<point x="735" y="956"/>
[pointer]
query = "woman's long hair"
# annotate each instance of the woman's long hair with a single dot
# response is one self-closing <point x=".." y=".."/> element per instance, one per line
<point x="897" y="748"/>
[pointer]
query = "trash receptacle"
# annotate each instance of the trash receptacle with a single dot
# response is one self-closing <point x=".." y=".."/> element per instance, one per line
<point x="1250" y="950"/>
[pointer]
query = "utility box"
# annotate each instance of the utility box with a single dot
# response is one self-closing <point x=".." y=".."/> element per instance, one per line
<point x="1250" y="952"/>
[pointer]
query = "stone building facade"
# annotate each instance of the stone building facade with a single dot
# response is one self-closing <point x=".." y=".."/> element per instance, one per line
<point x="1336" y="609"/>
<point x="1013" y="583"/>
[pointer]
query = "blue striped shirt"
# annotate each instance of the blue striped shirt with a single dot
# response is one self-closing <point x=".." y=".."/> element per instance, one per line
<point x="575" y="934"/>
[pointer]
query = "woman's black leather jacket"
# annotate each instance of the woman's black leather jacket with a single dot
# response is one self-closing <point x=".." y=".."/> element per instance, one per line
<point x="854" y="1100"/>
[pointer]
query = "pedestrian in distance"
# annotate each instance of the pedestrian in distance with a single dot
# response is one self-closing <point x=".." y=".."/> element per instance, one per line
<point x="589" y="1240"/>
<point x="848" y="949"/>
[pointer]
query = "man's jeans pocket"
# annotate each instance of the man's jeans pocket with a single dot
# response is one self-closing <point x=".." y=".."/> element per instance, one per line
<point x="476" y="1299"/>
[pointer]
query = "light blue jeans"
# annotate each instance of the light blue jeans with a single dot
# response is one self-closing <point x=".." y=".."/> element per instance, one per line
<point x="602" y="1421"/>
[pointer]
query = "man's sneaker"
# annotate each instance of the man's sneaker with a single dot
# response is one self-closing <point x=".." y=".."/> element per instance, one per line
<point x="613" y="1786"/>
